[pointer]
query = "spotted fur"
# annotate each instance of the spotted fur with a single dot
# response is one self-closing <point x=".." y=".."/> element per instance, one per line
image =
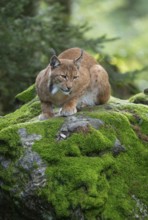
<point x="71" y="80"/>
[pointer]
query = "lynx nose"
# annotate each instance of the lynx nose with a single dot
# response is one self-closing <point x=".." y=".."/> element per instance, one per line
<point x="69" y="85"/>
<point x="68" y="89"/>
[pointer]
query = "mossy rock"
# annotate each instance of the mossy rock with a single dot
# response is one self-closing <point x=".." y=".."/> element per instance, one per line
<point x="140" y="98"/>
<point x="89" y="166"/>
<point x="27" y="95"/>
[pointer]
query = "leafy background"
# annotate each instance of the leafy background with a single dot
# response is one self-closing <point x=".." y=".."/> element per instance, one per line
<point x="114" y="32"/>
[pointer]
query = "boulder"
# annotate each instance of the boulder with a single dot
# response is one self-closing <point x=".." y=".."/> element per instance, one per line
<point x="92" y="165"/>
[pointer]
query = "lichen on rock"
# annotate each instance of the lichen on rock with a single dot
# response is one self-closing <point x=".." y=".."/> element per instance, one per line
<point x="88" y="166"/>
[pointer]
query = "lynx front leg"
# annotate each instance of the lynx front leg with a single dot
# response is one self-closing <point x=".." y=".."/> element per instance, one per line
<point x="47" y="111"/>
<point x="69" y="108"/>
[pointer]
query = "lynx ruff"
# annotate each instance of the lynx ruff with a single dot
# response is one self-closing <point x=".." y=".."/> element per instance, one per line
<point x="72" y="80"/>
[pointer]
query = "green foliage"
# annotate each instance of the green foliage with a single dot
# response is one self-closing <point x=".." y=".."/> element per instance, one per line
<point x="123" y="84"/>
<point x="126" y="19"/>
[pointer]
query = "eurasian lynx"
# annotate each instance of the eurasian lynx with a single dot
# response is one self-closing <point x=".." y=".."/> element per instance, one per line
<point x="73" y="79"/>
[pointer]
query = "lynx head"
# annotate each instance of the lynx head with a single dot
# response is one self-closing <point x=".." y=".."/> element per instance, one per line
<point x="64" y="74"/>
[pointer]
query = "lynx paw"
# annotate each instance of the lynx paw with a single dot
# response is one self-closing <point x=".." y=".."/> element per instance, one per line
<point x="44" y="116"/>
<point x="67" y="111"/>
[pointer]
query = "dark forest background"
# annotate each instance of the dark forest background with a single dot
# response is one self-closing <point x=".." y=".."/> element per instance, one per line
<point x="30" y="28"/>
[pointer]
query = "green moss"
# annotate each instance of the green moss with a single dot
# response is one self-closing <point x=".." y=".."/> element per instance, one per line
<point x="11" y="151"/>
<point x="9" y="140"/>
<point x="73" y="181"/>
<point x="77" y="182"/>
<point x="27" y="95"/>
<point x="23" y="114"/>
<point x="130" y="177"/>
<point x="82" y="172"/>
<point x="139" y="98"/>
<point x="79" y="176"/>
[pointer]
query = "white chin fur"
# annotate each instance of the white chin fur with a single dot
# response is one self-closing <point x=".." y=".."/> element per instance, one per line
<point x="65" y="93"/>
<point x="55" y="89"/>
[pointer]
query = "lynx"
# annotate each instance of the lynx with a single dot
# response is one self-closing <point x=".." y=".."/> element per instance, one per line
<point x="72" y="80"/>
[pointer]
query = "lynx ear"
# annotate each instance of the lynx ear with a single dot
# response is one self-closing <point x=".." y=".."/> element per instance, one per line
<point x="78" y="61"/>
<point x="54" y="61"/>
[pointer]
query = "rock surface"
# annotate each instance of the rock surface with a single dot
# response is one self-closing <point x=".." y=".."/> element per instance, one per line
<point x="92" y="165"/>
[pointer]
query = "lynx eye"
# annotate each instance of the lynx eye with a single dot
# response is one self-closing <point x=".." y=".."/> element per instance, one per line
<point x="64" y="76"/>
<point x="75" y="77"/>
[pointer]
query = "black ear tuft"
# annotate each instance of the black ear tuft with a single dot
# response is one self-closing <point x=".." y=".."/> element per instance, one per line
<point x="52" y="52"/>
<point x="54" y="61"/>
<point x="78" y="61"/>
